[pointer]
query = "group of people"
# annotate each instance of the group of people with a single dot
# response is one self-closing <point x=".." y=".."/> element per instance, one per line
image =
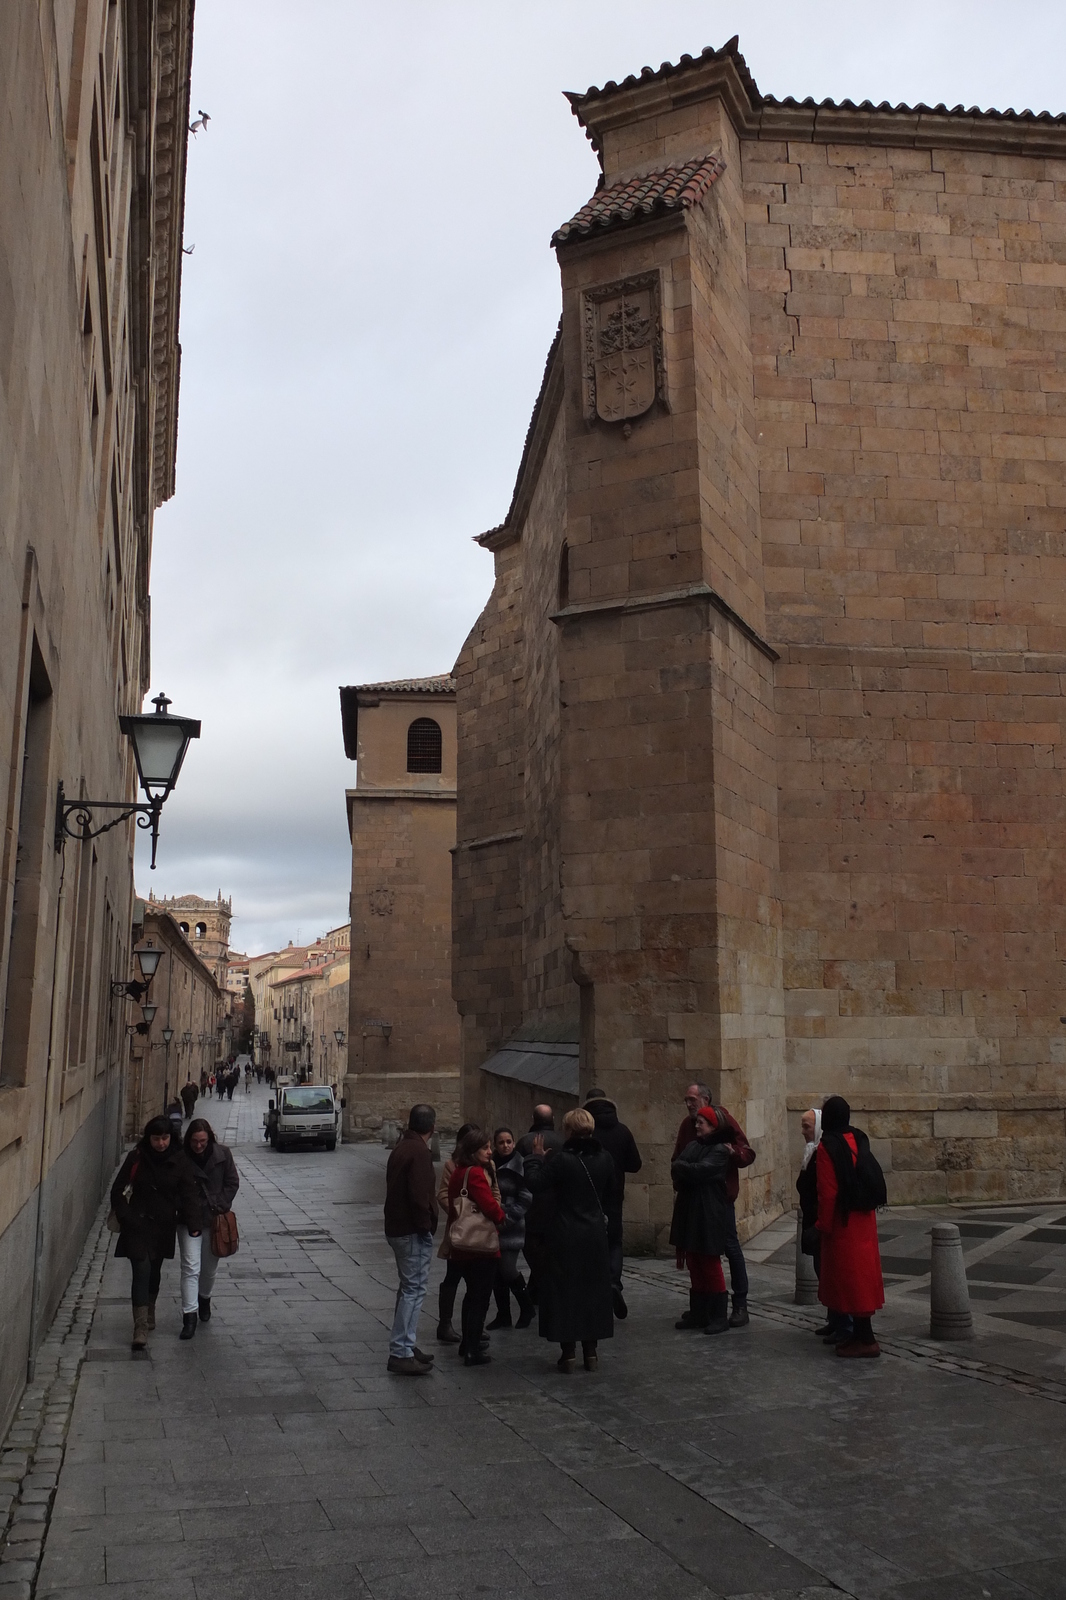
<point x="557" y="1199"/>
<point x="168" y="1193"/>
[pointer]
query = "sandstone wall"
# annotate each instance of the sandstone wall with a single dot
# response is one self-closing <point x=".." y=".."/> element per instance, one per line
<point x="909" y="312"/>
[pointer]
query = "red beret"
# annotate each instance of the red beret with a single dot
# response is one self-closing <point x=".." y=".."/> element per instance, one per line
<point x="708" y="1114"/>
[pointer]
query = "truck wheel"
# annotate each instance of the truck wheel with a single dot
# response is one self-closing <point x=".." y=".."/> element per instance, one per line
<point x="331" y="1144"/>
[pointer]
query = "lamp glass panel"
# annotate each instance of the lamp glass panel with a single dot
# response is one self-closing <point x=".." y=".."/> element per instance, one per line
<point x="159" y="744"/>
<point x="148" y="1012"/>
<point x="148" y="961"/>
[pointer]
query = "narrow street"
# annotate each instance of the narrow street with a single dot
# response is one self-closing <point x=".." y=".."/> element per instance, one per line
<point x="272" y="1457"/>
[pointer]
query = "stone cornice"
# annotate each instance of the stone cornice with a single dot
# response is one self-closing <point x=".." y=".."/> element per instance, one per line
<point x="660" y="602"/>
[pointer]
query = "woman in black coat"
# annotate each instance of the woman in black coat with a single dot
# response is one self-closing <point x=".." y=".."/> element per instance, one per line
<point x="699" y="1229"/>
<point x="575" y="1301"/>
<point x="154" y="1191"/>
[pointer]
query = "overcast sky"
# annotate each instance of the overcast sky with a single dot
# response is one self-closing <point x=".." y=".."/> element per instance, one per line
<point x="365" y="318"/>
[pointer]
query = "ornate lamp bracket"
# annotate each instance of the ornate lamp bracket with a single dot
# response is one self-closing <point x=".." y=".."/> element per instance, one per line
<point x="75" y="820"/>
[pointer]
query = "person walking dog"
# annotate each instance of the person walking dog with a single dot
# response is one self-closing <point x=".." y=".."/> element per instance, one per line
<point x="217" y="1181"/>
<point x="154" y="1191"/>
<point x="410" y="1223"/>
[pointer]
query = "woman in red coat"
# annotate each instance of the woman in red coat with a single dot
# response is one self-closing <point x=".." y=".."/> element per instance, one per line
<point x="472" y="1178"/>
<point x="850" y="1282"/>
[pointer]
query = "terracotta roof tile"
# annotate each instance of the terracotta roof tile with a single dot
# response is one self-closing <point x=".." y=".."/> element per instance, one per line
<point x="637" y="199"/>
<point x="445" y="684"/>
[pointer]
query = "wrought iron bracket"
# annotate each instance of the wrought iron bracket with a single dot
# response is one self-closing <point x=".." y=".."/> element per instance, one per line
<point x="75" y="820"/>
<point x="135" y="989"/>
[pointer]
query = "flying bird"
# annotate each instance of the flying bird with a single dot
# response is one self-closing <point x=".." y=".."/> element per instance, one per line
<point x="187" y="250"/>
<point x="202" y="119"/>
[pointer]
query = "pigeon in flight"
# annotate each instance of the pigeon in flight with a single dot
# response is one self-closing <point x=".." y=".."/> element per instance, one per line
<point x="202" y="119"/>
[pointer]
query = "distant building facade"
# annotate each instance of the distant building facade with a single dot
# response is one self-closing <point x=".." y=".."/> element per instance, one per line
<point x="190" y="1003"/>
<point x="403" y="1029"/>
<point x="94" y="107"/>
<point x="206" y="925"/>
<point x="761" y="732"/>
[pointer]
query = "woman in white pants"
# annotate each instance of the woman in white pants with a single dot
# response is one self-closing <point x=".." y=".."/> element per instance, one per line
<point x="217" y="1182"/>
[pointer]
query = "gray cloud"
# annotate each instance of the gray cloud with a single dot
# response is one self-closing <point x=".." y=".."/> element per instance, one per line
<point x="364" y="324"/>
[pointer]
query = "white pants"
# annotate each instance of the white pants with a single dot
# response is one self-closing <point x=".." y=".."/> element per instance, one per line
<point x="199" y="1264"/>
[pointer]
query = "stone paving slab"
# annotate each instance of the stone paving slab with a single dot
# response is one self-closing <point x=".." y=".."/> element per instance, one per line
<point x="273" y="1457"/>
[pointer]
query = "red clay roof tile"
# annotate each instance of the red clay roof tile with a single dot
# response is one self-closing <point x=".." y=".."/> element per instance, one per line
<point x="638" y="199"/>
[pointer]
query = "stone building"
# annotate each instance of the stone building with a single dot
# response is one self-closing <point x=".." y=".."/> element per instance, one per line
<point x="190" y="1004"/>
<point x="93" y="119"/>
<point x="206" y="924"/>
<point x="403" y="1030"/>
<point x="760" y="756"/>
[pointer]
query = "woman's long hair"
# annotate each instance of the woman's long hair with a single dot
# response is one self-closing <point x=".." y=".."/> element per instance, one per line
<point x="467" y="1127"/>
<point x="469" y="1145"/>
<point x="836" y="1122"/>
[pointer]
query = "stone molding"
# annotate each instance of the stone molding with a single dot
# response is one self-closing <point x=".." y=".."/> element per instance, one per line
<point x="660" y="602"/>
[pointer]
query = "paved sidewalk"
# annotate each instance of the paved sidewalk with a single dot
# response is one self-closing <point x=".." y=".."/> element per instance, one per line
<point x="272" y="1457"/>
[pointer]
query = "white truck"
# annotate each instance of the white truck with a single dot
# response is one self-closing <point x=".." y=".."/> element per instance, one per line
<point x="303" y="1114"/>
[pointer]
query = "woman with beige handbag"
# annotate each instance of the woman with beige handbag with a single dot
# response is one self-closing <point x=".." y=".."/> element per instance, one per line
<point x="472" y="1237"/>
<point x="217" y="1181"/>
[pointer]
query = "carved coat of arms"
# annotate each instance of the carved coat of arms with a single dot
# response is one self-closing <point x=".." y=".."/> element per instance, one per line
<point x="622" y="349"/>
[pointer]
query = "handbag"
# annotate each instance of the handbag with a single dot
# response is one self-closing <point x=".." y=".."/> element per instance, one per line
<point x="225" y="1240"/>
<point x="470" y="1230"/>
<point x="113" y="1223"/>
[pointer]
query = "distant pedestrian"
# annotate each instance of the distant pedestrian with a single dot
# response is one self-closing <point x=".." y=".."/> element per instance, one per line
<point x="741" y="1155"/>
<point x="699" y="1228"/>
<point x="538" y="1216"/>
<point x="836" y="1327"/>
<point x="579" y="1180"/>
<point x="189" y="1096"/>
<point x="154" y="1190"/>
<point x="410" y="1223"/>
<point x="850" y="1187"/>
<point x="620" y="1144"/>
<point x="474" y="1216"/>
<point x="516" y="1199"/>
<point x="204" y="1080"/>
<point x="453" y="1272"/>
<point x="175" y="1116"/>
<point x="231" y="1081"/>
<point x="217" y="1181"/>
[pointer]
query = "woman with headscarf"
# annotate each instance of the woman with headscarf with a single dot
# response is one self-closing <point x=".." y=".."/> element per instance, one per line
<point x="576" y="1301"/>
<point x="516" y="1200"/>
<point x="217" y="1182"/>
<point x="850" y="1282"/>
<point x="154" y="1191"/>
<point x="699" y="1228"/>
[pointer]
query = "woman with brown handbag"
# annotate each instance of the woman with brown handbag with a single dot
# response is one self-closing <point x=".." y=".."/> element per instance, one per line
<point x="474" y="1216"/>
<point x="217" y="1182"/>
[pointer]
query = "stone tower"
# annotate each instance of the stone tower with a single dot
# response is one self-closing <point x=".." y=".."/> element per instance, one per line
<point x="205" y="923"/>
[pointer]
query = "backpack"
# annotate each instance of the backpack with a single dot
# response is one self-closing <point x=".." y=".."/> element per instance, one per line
<point x="868" y="1188"/>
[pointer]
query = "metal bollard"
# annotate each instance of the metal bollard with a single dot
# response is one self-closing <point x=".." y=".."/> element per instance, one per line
<point x="806" y="1277"/>
<point x="950" y="1316"/>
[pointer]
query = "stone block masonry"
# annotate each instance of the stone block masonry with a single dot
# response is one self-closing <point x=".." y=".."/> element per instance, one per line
<point x="797" y="473"/>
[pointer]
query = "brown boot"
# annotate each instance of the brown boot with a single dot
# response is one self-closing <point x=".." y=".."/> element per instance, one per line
<point x="140" y="1328"/>
<point x="151" y="1316"/>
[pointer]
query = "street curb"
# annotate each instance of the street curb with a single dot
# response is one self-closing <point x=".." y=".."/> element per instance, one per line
<point x="31" y="1455"/>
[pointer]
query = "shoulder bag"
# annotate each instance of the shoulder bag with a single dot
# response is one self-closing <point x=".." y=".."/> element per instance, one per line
<point x="225" y="1240"/>
<point x="113" y="1223"/>
<point x="470" y="1230"/>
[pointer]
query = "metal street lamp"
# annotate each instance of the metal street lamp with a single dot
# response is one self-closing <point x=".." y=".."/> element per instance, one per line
<point x="338" y="1034"/>
<point x="168" y="1034"/>
<point x="159" y="745"/>
<point x="186" y="1038"/>
<point x="148" y="959"/>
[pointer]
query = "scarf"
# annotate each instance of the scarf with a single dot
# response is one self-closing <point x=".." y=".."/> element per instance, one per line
<point x="810" y="1148"/>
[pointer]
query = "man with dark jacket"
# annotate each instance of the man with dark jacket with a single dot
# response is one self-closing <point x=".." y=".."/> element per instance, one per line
<point x="621" y="1146"/>
<point x="410" y="1223"/>
<point x="189" y="1096"/>
<point x="539" y="1215"/>
<point x="741" y="1155"/>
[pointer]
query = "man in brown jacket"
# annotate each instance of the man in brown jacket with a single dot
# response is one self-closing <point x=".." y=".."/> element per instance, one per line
<point x="410" y="1223"/>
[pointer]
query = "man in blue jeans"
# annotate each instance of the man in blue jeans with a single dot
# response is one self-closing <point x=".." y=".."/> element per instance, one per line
<point x="410" y="1223"/>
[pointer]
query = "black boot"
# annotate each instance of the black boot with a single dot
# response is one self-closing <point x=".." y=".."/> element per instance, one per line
<point x="502" y="1319"/>
<point x="446" y="1334"/>
<point x="740" y="1318"/>
<point x="697" y="1314"/>
<point x="526" y="1309"/>
<point x="188" y="1325"/>
<point x="205" y="1308"/>
<point x="718" y="1320"/>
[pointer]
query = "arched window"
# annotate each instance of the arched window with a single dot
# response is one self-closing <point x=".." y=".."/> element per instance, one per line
<point x="184" y="926"/>
<point x="424" y="746"/>
<point x="201" y="929"/>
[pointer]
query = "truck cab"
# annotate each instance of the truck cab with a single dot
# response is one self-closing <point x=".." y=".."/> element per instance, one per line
<point x="303" y="1114"/>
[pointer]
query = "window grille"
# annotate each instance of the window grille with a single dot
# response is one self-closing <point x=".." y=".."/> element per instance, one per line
<point x="424" y="745"/>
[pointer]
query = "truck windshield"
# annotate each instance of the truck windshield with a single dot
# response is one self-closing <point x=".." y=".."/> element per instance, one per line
<point x="305" y="1099"/>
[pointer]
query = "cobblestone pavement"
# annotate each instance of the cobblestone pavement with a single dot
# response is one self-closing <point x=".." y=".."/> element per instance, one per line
<point x="272" y="1457"/>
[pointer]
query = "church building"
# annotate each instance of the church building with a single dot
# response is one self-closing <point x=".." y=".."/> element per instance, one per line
<point x="760" y="734"/>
